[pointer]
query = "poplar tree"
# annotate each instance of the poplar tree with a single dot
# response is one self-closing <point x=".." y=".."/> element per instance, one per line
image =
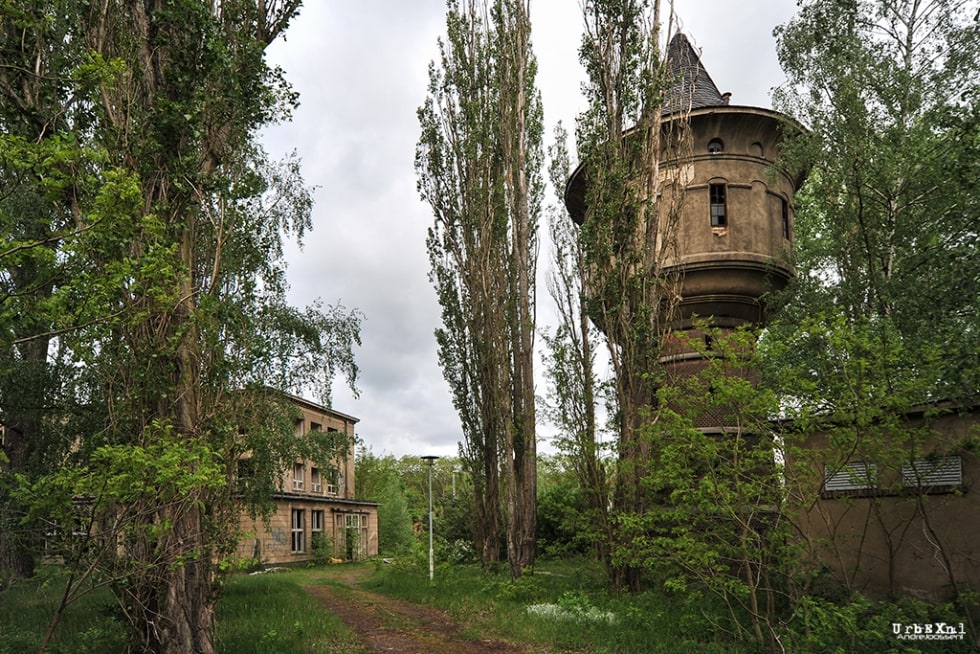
<point x="575" y="388"/>
<point x="628" y="234"/>
<point x="478" y="162"/>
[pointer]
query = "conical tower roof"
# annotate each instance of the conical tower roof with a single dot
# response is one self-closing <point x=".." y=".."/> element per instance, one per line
<point x="691" y="86"/>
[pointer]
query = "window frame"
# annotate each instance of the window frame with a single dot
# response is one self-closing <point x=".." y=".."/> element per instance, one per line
<point x="718" y="204"/>
<point x="785" y="216"/>
<point x="299" y="476"/>
<point x="847" y="478"/>
<point x="298" y="531"/>
<point x="941" y="472"/>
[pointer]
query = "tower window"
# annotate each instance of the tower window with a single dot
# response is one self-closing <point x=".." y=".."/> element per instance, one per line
<point x="715" y="146"/>
<point x="719" y="212"/>
<point x="785" y="206"/>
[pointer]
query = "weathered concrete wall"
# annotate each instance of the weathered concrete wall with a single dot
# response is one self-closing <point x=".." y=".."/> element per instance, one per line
<point x="891" y="539"/>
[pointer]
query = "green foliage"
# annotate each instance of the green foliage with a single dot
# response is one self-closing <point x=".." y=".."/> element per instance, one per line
<point x="323" y="548"/>
<point x="254" y="614"/>
<point x="146" y="231"/>
<point x="885" y="223"/>
<point x="880" y="321"/>
<point x="716" y="527"/>
<point x="858" y="624"/>
<point x="574" y="387"/>
<point x="478" y="164"/>
<point x="564" y="605"/>
<point x="628" y="230"/>
<point x="524" y="590"/>
<point x="380" y="480"/>
<point x="566" y="525"/>
<point x="93" y="624"/>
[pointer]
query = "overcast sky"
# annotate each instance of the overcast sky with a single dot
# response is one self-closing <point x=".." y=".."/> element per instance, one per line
<point x="360" y="67"/>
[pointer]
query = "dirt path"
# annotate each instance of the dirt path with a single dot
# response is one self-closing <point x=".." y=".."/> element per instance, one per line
<point x="385" y="625"/>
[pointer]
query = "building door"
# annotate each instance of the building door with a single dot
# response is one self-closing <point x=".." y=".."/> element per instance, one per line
<point x="353" y="532"/>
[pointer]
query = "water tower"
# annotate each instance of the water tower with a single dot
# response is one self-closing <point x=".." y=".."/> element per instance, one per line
<point x="734" y="232"/>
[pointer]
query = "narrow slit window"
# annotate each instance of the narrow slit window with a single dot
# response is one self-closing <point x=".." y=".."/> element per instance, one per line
<point x="719" y="209"/>
<point x="785" y="206"/>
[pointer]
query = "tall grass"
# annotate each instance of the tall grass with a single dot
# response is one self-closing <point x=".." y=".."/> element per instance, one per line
<point x="255" y="615"/>
<point x="564" y="605"/>
<point x="272" y="613"/>
<point x="92" y="624"/>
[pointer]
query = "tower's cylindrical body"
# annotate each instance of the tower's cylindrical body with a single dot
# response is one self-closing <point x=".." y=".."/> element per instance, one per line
<point x="735" y="230"/>
<point x="734" y="219"/>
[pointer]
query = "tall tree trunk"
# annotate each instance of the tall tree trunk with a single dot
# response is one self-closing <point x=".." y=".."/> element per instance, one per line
<point x="476" y="162"/>
<point x="517" y="105"/>
<point x="628" y="229"/>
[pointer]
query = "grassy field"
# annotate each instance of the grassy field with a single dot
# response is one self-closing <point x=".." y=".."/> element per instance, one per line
<point x="564" y="606"/>
<point x="255" y="615"/>
<point x="272" y="613"/>
<point x="92" y="624"/>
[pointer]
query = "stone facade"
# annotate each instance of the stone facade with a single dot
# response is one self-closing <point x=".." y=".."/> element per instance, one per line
<point x="315" y="508"/>
<point x="720" y="176"/>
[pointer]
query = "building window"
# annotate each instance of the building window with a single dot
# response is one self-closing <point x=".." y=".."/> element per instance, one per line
<point x="942" y="471"/>
<point x="316" y="484"/>
<point x="298" y="532"/>
<point x="719" y="212"/>
<point x="715" y="146"/>
<point x="850" y="477"/>
<point x="245" y="474"/>
<point x="315" y="426"/>
<point x="298" y="476"/>
<point x="317" y="541"/>
<point x="785" y="214"/>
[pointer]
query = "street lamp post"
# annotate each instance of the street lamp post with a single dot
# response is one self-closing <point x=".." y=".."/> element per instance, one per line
<point x="430" y="460"/>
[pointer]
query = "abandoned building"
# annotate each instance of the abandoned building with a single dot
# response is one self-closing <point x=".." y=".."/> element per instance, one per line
<point x="317" y="514"/>
<point x="885" y="528"/>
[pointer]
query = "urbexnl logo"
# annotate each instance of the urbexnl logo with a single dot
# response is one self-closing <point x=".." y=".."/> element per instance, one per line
<point x="928" y="631"/>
